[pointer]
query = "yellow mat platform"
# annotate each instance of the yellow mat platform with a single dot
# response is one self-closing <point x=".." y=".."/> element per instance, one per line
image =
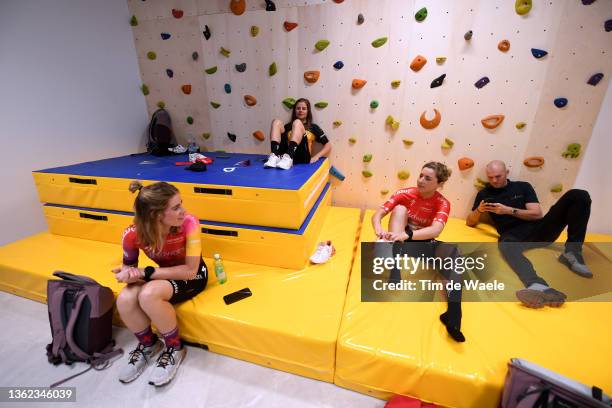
<point x="290" y="323"/>
<point x="402" y="348"/>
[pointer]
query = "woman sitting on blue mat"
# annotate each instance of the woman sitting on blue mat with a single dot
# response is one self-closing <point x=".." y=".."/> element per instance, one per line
<point x="170" y="237"/>
<point x="419" y="214"/>
<point x="293" y="142"/>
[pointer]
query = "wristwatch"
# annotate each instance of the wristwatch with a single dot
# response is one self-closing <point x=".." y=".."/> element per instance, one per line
<point x="148" y="271"/>
<point x="410" y="233"/>
<point x="514" y="211"/>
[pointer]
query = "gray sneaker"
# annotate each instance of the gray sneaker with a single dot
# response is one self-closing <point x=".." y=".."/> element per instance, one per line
<point x="138" y="360"/>
<point x="167" y="365"/>
<point x="575" y="262"/>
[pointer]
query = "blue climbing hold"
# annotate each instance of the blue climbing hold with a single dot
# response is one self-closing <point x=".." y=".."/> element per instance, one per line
<point x="594" y="80"/>
<point x="336" y="173"/>
<point x="538" y="53"/>
<point x="608" y="26"/>
<point x="561" y="102"/>
<point x="241" y="67"/>
<point x="170" y="73"/>
<point x="482" y="82"/>
<point x="228" y="88"/>
<point x="338" y="64"/>
<point x="165" y="36"/>
<point x="588" y="2"/>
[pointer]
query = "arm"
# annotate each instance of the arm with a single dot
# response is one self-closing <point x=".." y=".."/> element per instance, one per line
<point x="323" y="153"/>
<point x="531" y="213"/>
<point x="376" y="218"/>
<point x="474" y="217"/>
<point x="431" y="232"/>
<point x="187" y="271"/>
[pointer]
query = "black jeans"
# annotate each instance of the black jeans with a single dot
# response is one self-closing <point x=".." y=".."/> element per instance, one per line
<point x="572" y="211"/>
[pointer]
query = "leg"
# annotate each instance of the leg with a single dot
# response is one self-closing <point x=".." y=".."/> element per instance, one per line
<point x="397" y="223"/>
<point x="512" y="251"/>
<point x="275" y="130"/>
<point x="154" y="300"/>
<point x="297" y="131"/>
<point x="452" y="317"/>
<point x="129" y="309"/>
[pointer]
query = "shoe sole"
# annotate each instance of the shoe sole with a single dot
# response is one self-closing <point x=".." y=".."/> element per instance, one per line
<point x="567" y="263"/>
<point x="161" y="384"/>
<point x="142" y="370"/>
<point x="536" y="299"/>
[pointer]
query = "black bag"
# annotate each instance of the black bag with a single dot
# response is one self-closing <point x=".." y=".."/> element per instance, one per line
<point x="160" y="136"/>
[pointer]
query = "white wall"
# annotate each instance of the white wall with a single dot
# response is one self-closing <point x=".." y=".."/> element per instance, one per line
<point x="594" y="173"/>
<point x="70" y="93"/>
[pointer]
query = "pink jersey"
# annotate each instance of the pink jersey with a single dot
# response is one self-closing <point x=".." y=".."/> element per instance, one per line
<point x="177" y="245"/>
<point x="422" y="212"/>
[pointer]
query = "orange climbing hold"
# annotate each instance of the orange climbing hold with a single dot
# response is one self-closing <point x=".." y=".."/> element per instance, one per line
<point x="492" y="121"/>
<point x="417" y="63"/>
<point x="465" y="163"/>
<point x="312" y="76"/>
<point x="186" y="89"/>
<point x="534" y="161"/>
<point x="289" y="25"/>
<point x="250" y="100"/>
<point x="258" y="134"/>
<point x="358" y="83"/>
<point x="503" y="46"/>
<point x="430" y="124"/>
<point x="238" y="6"/>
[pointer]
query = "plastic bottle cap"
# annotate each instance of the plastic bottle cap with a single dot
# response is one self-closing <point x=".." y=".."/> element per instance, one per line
<point x="217" y="256"/>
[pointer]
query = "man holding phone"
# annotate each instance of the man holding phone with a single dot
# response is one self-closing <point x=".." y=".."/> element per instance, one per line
<point x="517" y="215"/>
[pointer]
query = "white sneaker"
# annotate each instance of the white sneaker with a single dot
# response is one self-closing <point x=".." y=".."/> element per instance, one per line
<point x="285" y="163"/>
<point x="178" y="149"/>
<point x="324" y="251"/>
<point x="272" y="161"/>
<point x="167" y="365"/>
<point x="138" y="360"/>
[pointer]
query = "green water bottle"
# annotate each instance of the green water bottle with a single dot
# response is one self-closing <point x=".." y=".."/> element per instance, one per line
<point x="219" y="270"/>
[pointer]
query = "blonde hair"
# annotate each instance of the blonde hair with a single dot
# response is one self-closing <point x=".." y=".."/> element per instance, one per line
<point x="442" y="172"/>
<point x="149" y="204"/>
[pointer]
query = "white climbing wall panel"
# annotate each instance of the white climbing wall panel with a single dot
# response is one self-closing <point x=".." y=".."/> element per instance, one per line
<point x="521" y="87"/>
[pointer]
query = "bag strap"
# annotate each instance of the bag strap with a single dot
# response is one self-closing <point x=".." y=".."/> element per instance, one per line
<point x="58" y="333"/>
<point x="74" y="314"/>
<point x="73" y="278"/>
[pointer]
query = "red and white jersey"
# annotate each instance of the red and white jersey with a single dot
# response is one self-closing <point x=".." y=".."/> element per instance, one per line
<point x="422" y="212"/>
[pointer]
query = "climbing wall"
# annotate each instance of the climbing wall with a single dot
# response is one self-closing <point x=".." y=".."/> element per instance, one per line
<point x="381" y="120"/>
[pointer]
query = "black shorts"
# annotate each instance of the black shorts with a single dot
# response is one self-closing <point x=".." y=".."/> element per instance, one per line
<point x="186" y="289"/>
<point x="302" y="154"/>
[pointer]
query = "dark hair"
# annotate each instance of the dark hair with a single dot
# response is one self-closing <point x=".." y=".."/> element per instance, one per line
<point x="442" y="172"/>
<point x="308" y="115"/>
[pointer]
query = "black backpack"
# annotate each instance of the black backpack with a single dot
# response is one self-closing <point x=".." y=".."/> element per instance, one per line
<point x="160" y="136"/>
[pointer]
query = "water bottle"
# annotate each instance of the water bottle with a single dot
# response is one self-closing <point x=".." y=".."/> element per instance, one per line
<point x="219" y="270"/>
<point x="193" y="147"/>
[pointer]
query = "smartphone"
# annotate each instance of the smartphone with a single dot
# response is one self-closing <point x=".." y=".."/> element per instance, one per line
<point x="236" y="296"/>
<point x="489" y="200"/>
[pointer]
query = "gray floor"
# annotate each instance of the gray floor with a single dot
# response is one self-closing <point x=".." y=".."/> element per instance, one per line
<point x="205" y="379"/>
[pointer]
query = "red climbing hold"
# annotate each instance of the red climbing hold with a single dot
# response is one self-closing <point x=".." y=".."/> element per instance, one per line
<point x="177" y="13"/>
<point x="289" y="25"/>
<point x="186" y="89"/>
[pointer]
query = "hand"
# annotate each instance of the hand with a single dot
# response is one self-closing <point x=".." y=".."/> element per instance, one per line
<point x="482" y="207"/>
<point x="379" y="232"/>
<point x="128" y="274"/>
<point x="395" y="236"/>
<point x="314" y="159"/>
<point x="498" y="208"/>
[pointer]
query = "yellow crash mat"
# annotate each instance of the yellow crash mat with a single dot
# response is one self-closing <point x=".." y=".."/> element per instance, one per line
<point x="290" y="322"/>
<point x="402" y="348"/>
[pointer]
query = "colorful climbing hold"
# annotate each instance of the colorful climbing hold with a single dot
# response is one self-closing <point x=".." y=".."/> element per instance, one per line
<point x="588" y="2"/>
<point x="395" y="83"/>
<point x="238" y="6"/>
<point x="430" y="124"/>
<point x="145" y="89"/>
<point x="520" y="125"/>
<point x="594" y="79"/>
<point x="338" y="1"/>
<point x="421" y="15"/>
<point x="438" y="81"/>
<point x="480" y="184"/>
<point x="366" y="173"/>
<point x="190" y="120"/>
<point x="468" y="35"/>
<point x="151" y="55"/>
<point x="608" y="26"/>
<point x="205" y="135"/>
<point x="214" y="104"/>
<point x="206" y="32"/>
<point x="224" y="51"/>
<point x="352" y="140"/>
<point x="321" y="105"/>
<point x="572" y="151"/>
<point x="536" y="52"/>
<point x="440" y="60"/>
<point x="417" y="63"/>
<point x="374" y="104"/>
<point x="560" y="102"/>
<point x="503" y="45"/>
<point x="407" y="142"/>
<point x="241" y="67"/>
<point x="211" y="70"/>
<point x="522" y="7"/>
<point x="311" y="76"/>
<point x="389" y="120"/>
<point x="338" y="64"/>
<point x="272" y="69"/>
<point x="289" y="25"/>
<point x="492" y="121"/>
<point x="336" y="173"/>
<point x="392" y="122"/>
<point x="358" y="83"/>
<point x="259" y="135"/>
<point x="170" y="73"/>
<point x="482" y="82"/>
<point x="447" y="144"/>
<point x="270" y="6"/>
<point x="534" y="161"/>
<point x="360" y="19"/>
<point x="379" y="42"/>
<point x="227" y="88"/>
<point x="556" y="188"/>
<point x="195" y="56"/>
<point x="384" y="191"/>
<point x="321" y="45"/>
<point x="403" y="174"/>
<point x="165" y="36"/>
<point x="161" y="104"/>
<point x="231" y="137"/>
<point x="254" y="31"/>
<point x="250" y="100"/>
<point x="133" y="21"/>
<point x="367" y="158"/>
<point x="186" y="89"/>
<point x="289" y="102"/>
<point x="177" y="13"/>
<point x="337" y="123"/>
<point x="465" y="163"/>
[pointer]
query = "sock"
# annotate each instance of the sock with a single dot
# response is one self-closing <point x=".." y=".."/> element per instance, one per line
<point x="172" y="339"/>
<point x="292" y="148"/>
<point x="537" y="286"/>
<point x="146" y="337"/>
<point x="452" y="321"/>
<point x="275" y="147"/>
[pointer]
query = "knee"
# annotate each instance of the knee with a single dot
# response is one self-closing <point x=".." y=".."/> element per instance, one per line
<point x="277" y="123"/>
<point x="149" y="294"/>
<point x="399" y="211"/>
<point x="128" y="297"/>
<point x="579" y="195"/>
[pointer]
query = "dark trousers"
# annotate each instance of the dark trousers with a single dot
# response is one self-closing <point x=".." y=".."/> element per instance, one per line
<point x="572" y="211"/>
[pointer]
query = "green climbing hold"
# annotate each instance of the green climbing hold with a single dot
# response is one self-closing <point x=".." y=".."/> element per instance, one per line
<point x="352" y="140"/>
<point x="367" y="158"/>
<point x="144" y="89"/>
<point x="321" y="45"/>
<point x="289" y="102"/>
<point x="190" y="120"/>
<point x="321" y="105"/>
<point x="408" y="142"/>
<point x="151" y="55"/>
<point x="520" y="125"/>
<point x="403" y="174"/>
<point x="448" y="143"/>
<point x="421" y="14"/>
<point x="133" y="21"/>
<point x="366" y="173"/>
<point x="224" y="51"/>
<point x="161" y="104"/>
<point x="337" y="123"/>
<point x="572" y="151"/>
<point x="379" y="42"/>
<point x="522" y="7"/>
<point x="211" y="70"/>
<point x="215" y="104"/>
<point x="374" y="104"/>
<point x="395" y="83"/>
<point x="206" y="136"/>
<point x="272" y="69"/>
<point x="556" y="188"/>
<point x="254" y="31"/>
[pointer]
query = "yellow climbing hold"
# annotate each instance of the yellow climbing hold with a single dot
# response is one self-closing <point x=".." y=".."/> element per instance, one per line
<point x="556" y="188"/>
<point x="366" y="173"/>
<point x="254" y="31"/>
<point x="392" y="122"/>
<point x="215" y="104"/>
<point x="389" y="120"/>
<point x="448" y="143"/>
<point x="379" y="42"/>
<point x="367" y="158"/>
<point x="211" y="70"/>
<point x="321" y="45"/>
<point x="272" y="69"/>
<point x="384" y="192"/>
<point x="161" y="104"/>
<point x="403" y="174"/>
<point x="395" y="83"/>
<point x="151" y="55"/>
<point x="224" y="51"/>
<point x="440" y="60"/>
<point x="520" y="125"/>
<point x="145" y="89"/>
<point x="408" y="142"/>
<point x="480" y="184"/>
<point x="522" y="7"/>
<point x="133" y="21"/>
<point x="337" y="123"/>
<point x="352" y="140"/>
<point x="395" y="125"/>
<point x="206" y="135"/>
